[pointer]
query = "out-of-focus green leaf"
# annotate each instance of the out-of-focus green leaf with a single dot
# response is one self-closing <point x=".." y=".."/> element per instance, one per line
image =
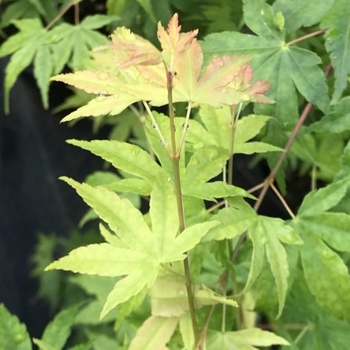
<point x="13" y="334"/>
<point x="154" y="333"/>
<point x="338" y="43"/>
<point x="58" y="330"/>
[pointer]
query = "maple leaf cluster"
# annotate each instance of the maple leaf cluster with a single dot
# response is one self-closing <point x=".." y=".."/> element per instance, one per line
<point x="132" y="69"/>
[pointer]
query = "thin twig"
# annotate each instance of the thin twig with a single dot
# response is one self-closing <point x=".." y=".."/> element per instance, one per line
<point x="304" y="37"/>
<point x="282" y="200"/>
<point x="61" y="13"/>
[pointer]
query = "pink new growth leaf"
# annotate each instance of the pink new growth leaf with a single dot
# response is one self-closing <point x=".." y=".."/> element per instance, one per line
<point x="171" y="39"/>
<point x="135" y="70"/>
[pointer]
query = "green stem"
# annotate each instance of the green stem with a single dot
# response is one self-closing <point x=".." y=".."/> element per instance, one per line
<point x="175" y="158"/>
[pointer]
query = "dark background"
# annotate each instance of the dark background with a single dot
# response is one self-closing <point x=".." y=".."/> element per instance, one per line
<point x="33" y="154"/>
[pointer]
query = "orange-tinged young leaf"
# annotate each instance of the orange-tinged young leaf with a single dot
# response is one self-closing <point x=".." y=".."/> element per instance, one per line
<point x="172" y="39"/>
<point x="131" y="50"/>
<point x="214" y="87"/>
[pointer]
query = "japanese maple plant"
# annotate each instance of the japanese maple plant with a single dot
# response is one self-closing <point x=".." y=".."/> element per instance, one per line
<point x="182" y="254"/>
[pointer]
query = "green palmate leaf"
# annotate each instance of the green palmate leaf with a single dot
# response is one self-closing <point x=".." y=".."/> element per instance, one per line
<point x="169" y="297"/>
<point x="267" y="24"/>
<point x="164" y="215"/>
<point x="265" y="236"/>
<point x="157" y="145"/>
<point x="243" y="340"/>
<point x="186" y="241"/>
<point x="123" y="156"/>
<point x="129" y="286"/>
<point x="43" y="69"/>
<point x="103" y="260"/>
<point x="333" y="228"/>
<point x="139" y="186"/>
<point x="286" y="68"/>
<point x="338" y="43"/>
<point x="127" y="308"/>
<point x="97" y="21"/>
<point x="185" y="326"/>
<point x="13" y="334"/>
<point x="154" y="333"/>
<point x="233" y="221"/>
<point x="217" y="122"/>
<point x="58" y="330"/>
<point x="335" y="122"/>
<point x="326" y="275"/>
<point x="117" y="213"/>
<point x="22" y="59"/>
<point x="319" y="201"/>
<point x="204" y="164"/>
<point x="217" y="189"/>
<point x="301" y="13"/>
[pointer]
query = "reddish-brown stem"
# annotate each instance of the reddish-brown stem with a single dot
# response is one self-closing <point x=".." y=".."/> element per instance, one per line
<point x="60" y="14"/>
<point x="271" y="178"/>
<point x="304" y="37"/>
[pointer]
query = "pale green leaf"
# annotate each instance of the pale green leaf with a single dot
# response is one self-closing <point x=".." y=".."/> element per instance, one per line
<point x="217" y="123"/>
<point x="186" y="241"/>
<point x="249" y="127"/>
<point x="217" y="189"/>
<point x="101" y="259"/>
<point x="111" y="238"/>
<point x="58" y="330"/>
<point x="139" y="186"/>
<point x="319" y="201"/>
<point x="102" y="105"/>
<point x="132" y="304"/>
<point x="245" y="339"/>
<point x="256" y="337"/>
<point x="117" y="213"/>
<point x="13" y="334"/>
<point x="233" y="222"/>
<point x="169" y="296"/>
<point x="185" y="325"/>
<point x="256" y="147"/>
<point x="43" y="345"/>
<point x="157" y="145"/>
<point x="277" y="257"/>
<point x="128" y="287"/>
<point x="164" y="213"/>
<point x="327" y="276"/>
<point x="123" y="156"/>
<point x="43" y="69"/>
<point x="97" y="21"/>
<point x="154" y="333"/>
<point x="258" y="257"/>
<point x="204" y="164"/>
